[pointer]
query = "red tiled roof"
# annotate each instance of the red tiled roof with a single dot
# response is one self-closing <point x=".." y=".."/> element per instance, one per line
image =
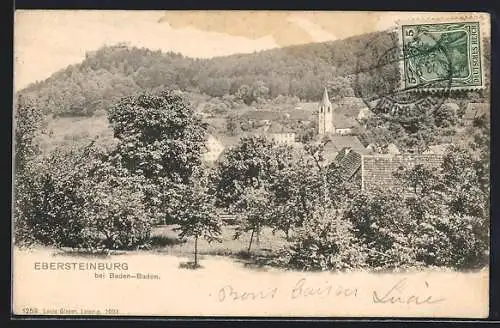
<point x="337" y="143"/>
<point x="349" y="161"/>
<point x="377" y="171"/>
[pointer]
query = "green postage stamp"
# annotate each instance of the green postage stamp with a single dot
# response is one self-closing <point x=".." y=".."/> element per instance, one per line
<point x="442" y="55"/>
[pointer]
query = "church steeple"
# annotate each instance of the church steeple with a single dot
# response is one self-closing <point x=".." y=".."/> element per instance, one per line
<point x="325" y="115"/>
<point x="326" y="101"/>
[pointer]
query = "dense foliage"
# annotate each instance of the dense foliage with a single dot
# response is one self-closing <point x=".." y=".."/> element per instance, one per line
<point x="77" y="200"/>
<point x="434" y="218"/>
<point x="161" y="140"/>
<point x="28" y="123"/>
<point x="113" y="72"/>
<point x="326" y="242"/>
<point x="92" y="198"/>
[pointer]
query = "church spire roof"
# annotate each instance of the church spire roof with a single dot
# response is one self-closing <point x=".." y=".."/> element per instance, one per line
<point x="326" y="99"/>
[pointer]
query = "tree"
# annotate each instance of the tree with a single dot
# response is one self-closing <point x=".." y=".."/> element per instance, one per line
<point x="243" y="182"/>
<point x="81" y="201"/>
<point x="233" y="126"/>
<point x="445" y="116"/>
<point x="296" y="190"/>
<point x="253" y="212"/>
<point x="197" y="218"/>
<point x="380" y="134"/>
<point x="449" y="209"/>
<point x="161" y="140"/>
<point x="28" y="122"/>
<point x="300" y="71"/>
<point x="259" y="91"/>
<point x="327" y="242"/>
<point x="245" y="94"/>
<point x="306" y="134"/>
<point x="28" y="126"/>
<point x="247" y="165"/>
<point x="304" y="183"/>
<point x="340" y="87"/>
<point x="383" y="228"/>
<point x="413" y="132"/>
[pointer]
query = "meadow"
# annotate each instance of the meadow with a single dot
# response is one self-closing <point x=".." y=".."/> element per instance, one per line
<point x="165" y="239"/>
<point x="75" y="130"/>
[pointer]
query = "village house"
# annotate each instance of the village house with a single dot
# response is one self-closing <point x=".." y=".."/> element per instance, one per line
<point x="338" y="137"/>
<point x="277" y="133"/>
<point x="349" y="162"/>
<point x="283" y="137"/>
<point x="355" y="160"/>
<point x="377" y="171"/>
<point x="338" y="143"/>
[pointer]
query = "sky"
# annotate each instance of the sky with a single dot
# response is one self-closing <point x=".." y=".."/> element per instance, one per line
<point x="46" y="41"/>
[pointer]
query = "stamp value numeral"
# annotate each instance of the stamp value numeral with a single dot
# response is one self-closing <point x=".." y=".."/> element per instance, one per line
<point x="444" y="55"/>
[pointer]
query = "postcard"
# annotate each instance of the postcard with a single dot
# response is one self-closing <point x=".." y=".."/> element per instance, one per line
<point x="251" y="163"/>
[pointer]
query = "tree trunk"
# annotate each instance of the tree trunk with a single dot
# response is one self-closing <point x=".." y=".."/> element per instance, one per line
<point x="251" y="239"/>
<point x="325" y="188"/>
<point x="195" y="251"/>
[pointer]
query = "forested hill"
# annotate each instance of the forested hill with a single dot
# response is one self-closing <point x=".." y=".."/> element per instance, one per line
<point x="116" y="71"/>
<point x="112" y="72"/>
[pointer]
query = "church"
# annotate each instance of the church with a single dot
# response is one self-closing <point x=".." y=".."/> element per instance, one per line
<point x="325" y="118"/>
<point x="325" y="115"/>
<point x="341" y="147"/>
<point x="357" y="162"/>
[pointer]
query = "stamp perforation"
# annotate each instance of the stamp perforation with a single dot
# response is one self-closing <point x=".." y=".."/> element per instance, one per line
<point x="429" y="21"/>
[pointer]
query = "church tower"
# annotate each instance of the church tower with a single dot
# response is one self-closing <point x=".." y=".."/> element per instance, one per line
<point x="325" y="115"/>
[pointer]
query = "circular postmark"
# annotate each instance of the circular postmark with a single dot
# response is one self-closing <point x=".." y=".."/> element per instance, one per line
<point x="385" y="68"/>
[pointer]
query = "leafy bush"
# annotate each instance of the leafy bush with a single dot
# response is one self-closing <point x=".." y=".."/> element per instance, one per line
<point x="382" y="226"/>
<point x="326" y="242"/>
<point x="77" y="200"/>
<point x="453" y="241"/>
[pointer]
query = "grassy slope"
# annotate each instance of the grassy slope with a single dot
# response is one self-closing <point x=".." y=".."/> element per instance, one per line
<point x="165" y="240"/>
<point x="75" y="130"/>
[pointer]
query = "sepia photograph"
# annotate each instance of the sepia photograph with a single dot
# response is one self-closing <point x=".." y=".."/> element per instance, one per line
<point x="251" y="163"/>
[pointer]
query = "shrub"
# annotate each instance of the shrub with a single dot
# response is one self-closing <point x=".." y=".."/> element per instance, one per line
<point x="326" y="242"/>
<point x="79" y="201"/>
<point x="452" y="240"/>
<point x="381" y="224"/>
